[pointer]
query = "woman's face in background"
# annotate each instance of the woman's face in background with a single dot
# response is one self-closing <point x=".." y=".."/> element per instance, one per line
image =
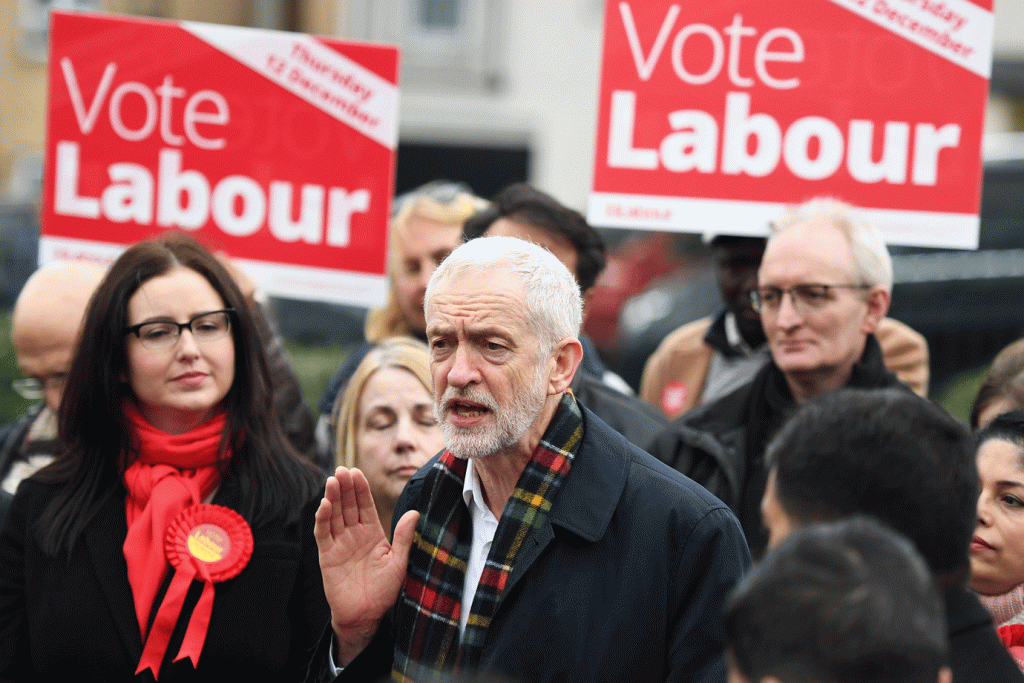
<point x="179" y="387"/>
<point x="997" y="551"/>
<point x="395" y="432"/>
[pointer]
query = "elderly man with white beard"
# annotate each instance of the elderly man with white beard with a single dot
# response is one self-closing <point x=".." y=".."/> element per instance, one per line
<point x="540" y="545"/>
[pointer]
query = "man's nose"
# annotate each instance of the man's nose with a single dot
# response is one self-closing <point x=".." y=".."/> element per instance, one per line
<point x="788" y="314"/>
<point x="425" y="273"/>
<point x="463" y="371"/>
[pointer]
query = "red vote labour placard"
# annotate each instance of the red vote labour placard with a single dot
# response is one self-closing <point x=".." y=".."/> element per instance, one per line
<point x="277" y="148"/>
<point x="715" y="116"/>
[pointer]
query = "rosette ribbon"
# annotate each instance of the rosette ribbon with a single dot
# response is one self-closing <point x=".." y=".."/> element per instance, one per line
<point x="211" y="543"/>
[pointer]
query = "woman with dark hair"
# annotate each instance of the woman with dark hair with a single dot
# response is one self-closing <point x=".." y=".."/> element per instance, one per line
<point x="172" y="536"/>
<point x="997" y="550"/>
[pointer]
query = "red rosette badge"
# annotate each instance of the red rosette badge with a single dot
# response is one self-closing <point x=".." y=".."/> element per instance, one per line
<point x="211" y="543"/>
<point x="212" y="539"/>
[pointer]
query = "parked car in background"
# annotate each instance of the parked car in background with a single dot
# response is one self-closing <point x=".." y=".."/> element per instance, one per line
<point x="967" y="304"/>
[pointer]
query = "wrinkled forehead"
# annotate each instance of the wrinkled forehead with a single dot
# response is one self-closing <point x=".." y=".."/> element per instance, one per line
<point x="480" y="295"/>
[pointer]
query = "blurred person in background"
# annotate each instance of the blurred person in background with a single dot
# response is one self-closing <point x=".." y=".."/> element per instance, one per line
<point x="823" y="286"/>
<point x="525" y="212"/>
<point x="704" y="360"/>
<point x="1003" y="388"/>
<point x="172" y="535"/>
<point x="45" y="324"/>
<point x="425" y="228"/>
<point x="386" y="423"/>
<point x="997" y="550"/>
<point x="847" y="602"/>
<point x="521" y="210"/>
<point x="905" y="461"/>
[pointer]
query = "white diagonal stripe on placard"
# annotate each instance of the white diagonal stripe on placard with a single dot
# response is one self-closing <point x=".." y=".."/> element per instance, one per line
<point x="313" y="72"/>
<point x="957" y="30"/>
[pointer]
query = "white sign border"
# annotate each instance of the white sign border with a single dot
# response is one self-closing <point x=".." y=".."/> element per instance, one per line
<point x="735" y="217"/>
<point x="277" y="279"/>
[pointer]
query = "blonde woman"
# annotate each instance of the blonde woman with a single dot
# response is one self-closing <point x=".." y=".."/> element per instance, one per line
<point x="426" y="227"/>
<point x="385" y="420"/>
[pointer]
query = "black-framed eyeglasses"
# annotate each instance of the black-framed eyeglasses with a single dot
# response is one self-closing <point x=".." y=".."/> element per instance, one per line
<point x="32" y="388"/>
<point x="806" y="297"/>
<point x="160" y="335"/>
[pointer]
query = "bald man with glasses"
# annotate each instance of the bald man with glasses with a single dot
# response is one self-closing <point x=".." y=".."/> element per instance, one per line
<point x="823" y="287"/>
<point x="44" y="328"/>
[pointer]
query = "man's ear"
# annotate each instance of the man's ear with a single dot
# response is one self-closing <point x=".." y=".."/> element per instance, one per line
<point x="877" y="299"/>
<point x="566" y="357"/>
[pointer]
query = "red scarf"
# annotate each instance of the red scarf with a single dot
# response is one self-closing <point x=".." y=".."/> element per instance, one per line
<point x="171" y="472"/>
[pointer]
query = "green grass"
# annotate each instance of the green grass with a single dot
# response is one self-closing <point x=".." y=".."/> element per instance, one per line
<point x="11" y="404"/>
<point x="957" y="394"/>
<point x="314" y="364"/>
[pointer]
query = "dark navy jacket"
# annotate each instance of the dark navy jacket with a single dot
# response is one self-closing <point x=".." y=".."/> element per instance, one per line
<point x="626" y="582"/>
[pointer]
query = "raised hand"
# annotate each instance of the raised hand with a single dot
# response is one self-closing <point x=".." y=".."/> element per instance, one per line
<point x="362" y="572"/>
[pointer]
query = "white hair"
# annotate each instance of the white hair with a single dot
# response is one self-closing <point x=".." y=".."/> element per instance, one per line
<point x="870" y="255"/>
<point x="554" y="306"/>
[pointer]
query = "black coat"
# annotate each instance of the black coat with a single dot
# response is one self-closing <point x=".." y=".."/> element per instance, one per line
<point x="636" y="420"/>
<point x="721" y="444"/>
<point x="5" y="505"/>
<point x="74" y="619"/>
<point x="626" y="581"/>
<point x="975" y="652"/>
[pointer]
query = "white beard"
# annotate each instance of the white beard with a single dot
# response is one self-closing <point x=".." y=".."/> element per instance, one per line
<point x="508" y="427"/>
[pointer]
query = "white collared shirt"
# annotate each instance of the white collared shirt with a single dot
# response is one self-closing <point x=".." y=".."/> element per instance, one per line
<point x="484" y="525"/>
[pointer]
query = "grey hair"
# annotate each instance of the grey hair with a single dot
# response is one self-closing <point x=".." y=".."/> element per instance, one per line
<point x="554" y="306"/>
<point x="870" y="255"/>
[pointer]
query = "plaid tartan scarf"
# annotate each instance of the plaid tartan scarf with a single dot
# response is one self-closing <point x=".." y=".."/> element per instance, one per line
<point x="427" y="646"/>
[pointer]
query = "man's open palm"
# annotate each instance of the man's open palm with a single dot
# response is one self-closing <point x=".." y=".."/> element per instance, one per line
<point x="362" y="572"/>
